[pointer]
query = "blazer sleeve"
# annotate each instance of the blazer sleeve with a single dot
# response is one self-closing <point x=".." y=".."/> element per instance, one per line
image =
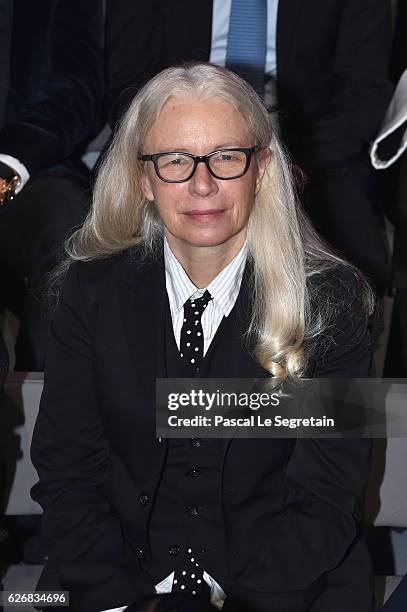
<point x="361" y="91"/>
<point x="68" y="109"/>
<point x="317" y="535"/>
<point x="89" y="554"/>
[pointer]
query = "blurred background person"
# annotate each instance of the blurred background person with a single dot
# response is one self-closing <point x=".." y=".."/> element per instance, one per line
<point x="51" y="84"/>
<point x="322" y="64"/>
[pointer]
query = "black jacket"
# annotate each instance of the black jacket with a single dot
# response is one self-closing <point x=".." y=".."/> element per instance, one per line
<point x="291" y="512"/>
<point x="332" y="64"/>
<point x="51" y="78"/>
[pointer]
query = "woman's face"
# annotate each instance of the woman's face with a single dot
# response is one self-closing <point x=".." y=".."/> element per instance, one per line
<point x="203" y="211"/>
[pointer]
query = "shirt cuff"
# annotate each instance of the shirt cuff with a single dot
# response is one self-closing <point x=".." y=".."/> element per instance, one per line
<point x="18" y="167"/>
<point x="165" y="585"/>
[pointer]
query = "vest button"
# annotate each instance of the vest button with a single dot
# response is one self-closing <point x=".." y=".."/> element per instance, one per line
<point x="139" y="552"/>
<point x="194" y="472"/>
<point x="174" y="550"/>
<point x="196" y="442"/>
<point x="143" y="497"/>
<point x="192" y="511"/>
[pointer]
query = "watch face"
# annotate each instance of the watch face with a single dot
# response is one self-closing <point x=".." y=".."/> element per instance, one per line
<point x="3" y="189"/>
<point x="7" y="189"/>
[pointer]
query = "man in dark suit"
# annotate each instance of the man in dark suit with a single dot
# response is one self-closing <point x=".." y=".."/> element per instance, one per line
<point x="329" y="59"/>
<point x="263" y="525"/>
<point x="51" y="94"/>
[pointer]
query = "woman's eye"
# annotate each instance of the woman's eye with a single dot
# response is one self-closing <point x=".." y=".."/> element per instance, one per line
<point x="174" y="162"/>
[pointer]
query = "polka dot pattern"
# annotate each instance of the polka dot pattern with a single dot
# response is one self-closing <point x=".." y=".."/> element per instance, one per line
<point x="192" y="342"/>
<point x="188" y="577"/>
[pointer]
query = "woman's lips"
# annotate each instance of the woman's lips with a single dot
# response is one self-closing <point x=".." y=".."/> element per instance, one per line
<point x="204" y="215"/>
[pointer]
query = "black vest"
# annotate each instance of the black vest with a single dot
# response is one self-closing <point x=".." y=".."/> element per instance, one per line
<point x="187" y="512"/>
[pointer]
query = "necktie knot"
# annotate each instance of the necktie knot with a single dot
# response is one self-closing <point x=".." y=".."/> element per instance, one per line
<point x="195" y="307"/>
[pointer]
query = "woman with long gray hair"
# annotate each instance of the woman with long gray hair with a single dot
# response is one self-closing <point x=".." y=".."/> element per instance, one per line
<point x="197" y="261"/>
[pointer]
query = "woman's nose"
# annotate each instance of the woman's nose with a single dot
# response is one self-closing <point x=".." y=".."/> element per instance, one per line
<point x="202" y="182"/>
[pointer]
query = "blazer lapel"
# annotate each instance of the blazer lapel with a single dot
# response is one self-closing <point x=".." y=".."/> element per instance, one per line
<point x="143" y="301"/>
<point x="288" y="18"/>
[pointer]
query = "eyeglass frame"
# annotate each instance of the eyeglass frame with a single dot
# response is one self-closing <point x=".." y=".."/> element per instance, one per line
<point x="248" y="151"/>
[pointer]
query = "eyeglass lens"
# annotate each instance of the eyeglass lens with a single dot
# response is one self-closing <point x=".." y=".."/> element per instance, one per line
<point x="224" y="164"/>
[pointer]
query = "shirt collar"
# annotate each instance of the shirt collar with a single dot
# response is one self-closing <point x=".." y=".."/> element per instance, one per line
<point x="224" y="288"/>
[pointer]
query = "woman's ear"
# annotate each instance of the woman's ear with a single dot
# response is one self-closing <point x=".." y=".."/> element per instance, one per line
<point x="146" y="187"/>
<point x="263" y="158"/>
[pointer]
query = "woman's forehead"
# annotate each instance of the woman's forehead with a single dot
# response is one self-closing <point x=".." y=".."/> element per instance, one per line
<point x="189" y="120"/>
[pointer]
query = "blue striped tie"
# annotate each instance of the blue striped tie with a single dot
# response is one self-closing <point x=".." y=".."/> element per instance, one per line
<point x="247" y="41"/>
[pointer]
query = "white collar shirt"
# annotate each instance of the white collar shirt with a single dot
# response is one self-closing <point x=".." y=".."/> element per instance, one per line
<point x="224" y="289"/>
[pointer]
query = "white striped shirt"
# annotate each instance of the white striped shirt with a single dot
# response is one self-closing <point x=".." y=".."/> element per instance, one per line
<point x="224" y="289"/>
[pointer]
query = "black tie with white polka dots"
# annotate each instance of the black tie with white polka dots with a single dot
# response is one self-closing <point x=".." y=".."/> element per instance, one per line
<point x="189" y="577"/>
<point x="192" y="342"/>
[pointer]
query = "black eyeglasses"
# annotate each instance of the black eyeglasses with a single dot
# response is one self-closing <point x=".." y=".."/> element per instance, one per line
<point x="225" y="164"/>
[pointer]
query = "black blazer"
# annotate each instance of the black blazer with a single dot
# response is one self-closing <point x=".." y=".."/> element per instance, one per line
<point x="51" y="78"/>
<point x="291" y="511"/>
<point x="332" y="63"/>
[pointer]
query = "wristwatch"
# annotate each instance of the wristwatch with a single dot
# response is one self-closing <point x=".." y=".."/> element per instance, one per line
<point x="9" y="181"/>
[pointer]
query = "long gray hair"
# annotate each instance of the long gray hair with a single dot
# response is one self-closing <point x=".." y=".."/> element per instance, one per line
<point x="283" y="247"/>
